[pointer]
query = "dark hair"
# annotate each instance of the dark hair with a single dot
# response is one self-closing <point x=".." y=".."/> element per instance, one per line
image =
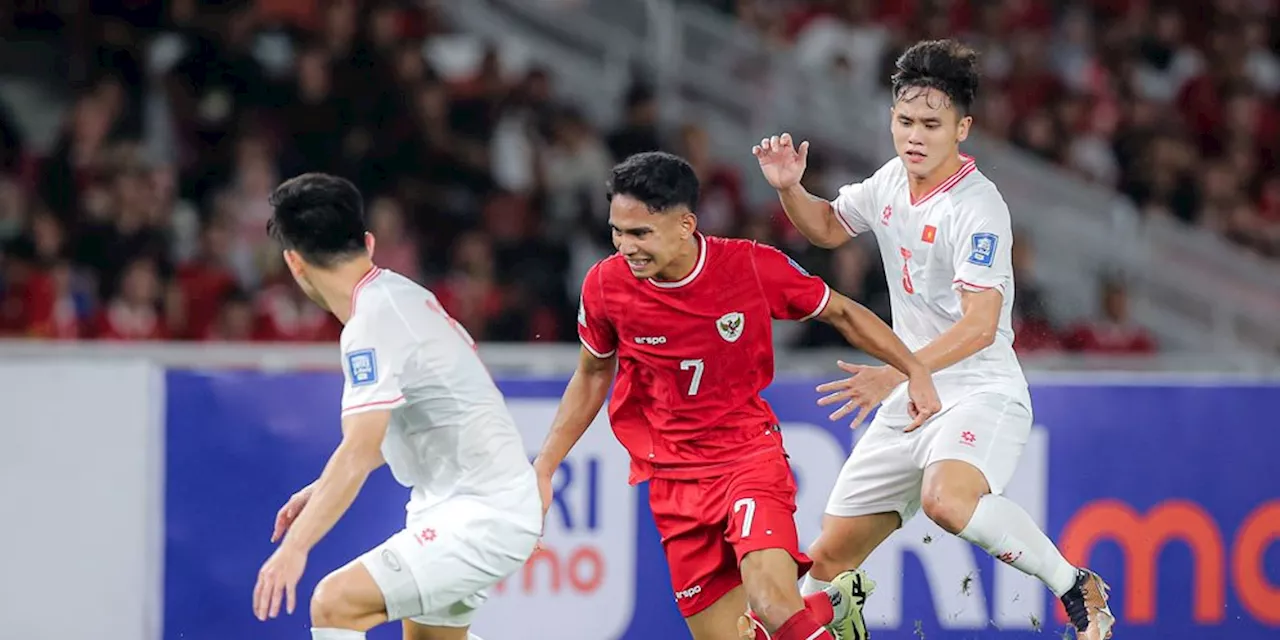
<point x="320" y="216"/>
<point x="658" y="179"/>
<point x="945" y="65"/>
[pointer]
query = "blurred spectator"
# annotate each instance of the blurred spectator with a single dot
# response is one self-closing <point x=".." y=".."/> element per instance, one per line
<point x="205" y="281"/>
<point x="722" y="209"/>
<point x="234" y="322"/>
<point x="1115" y="332"/>
<point x="396" y="248"/>
<point x="639" y="130"/>
<point x="1032" y="327"/>
<point x="575" y="173"/>
<point x="848" y="35"/>
<point x="469" y="290"/>
<point x="133" y="312"/>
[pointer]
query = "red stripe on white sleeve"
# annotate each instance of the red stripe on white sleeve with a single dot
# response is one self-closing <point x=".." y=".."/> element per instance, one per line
<point x="372" y="406"/>
<point x="969" y="285"/>
<point x="843" y="223"/>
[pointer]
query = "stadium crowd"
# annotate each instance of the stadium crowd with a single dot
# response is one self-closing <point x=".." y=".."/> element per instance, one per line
<point x="1175" y="103"/>
<point x="145" y="220"/>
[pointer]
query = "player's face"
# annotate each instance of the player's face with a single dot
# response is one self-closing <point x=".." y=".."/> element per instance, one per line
<point x="298" y="268"/>
<point x="927" y="129"/>
<point x="649" y="241"/>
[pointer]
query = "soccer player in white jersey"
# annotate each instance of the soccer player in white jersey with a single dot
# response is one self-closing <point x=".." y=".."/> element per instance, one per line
<point x="418" y="398"/>
<point x="944" y="234"/>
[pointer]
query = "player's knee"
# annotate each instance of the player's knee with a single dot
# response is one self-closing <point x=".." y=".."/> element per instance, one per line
<point x="950" y="510"/>
<point x="329" y="609"/>
<point x="827" y="561"/>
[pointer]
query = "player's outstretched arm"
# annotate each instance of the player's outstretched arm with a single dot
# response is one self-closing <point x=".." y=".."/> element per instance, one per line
<point x="581" y="402"/>
<point x="359" y="453"/>
<point x="783" y="165"/>
<point x="332" y="494"/>
<point x="866" y="331"/>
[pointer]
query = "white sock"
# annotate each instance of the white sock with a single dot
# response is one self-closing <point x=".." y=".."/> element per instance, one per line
<point x="812" y="585"/>
<point x="335" y="634"/>
<point x="839" y="605"/>
<point x="1006" y="532"/>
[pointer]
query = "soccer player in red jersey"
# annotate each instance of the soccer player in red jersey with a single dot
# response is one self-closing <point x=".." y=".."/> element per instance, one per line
<point x="685" y="320"/>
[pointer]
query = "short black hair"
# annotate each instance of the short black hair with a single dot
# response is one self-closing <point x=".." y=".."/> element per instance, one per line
<point x="320" y="216"/>
<point x="945" y="65"/>
<point x="659" y="179"/>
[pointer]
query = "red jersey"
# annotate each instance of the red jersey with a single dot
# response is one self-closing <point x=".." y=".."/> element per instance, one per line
<point x="695" y="354"/>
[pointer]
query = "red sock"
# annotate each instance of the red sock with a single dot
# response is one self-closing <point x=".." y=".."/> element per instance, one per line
<point x="819" y="604"/>
<point x="802" y="626"/>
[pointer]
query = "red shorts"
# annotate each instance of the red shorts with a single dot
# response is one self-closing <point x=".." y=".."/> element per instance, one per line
<point x="709" y="524"/>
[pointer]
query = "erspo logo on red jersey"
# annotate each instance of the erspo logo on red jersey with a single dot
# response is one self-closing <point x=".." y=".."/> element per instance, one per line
<point x="586" y="562"/>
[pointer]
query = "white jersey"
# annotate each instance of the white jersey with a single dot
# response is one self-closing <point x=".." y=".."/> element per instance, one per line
<point x="957" y="236"/>
<point x="450" y="433"/>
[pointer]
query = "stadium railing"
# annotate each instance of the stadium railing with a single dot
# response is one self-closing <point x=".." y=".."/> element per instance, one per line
<point x="1193" y="289"/>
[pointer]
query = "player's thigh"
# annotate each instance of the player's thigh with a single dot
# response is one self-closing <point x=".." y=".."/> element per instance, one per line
<point x="846" y="542"/>
<point x="350" y="598"/>
<point x="719" y="620"/>
<point x="987" y="431"/>
<point x="415" y="631"/>
<point x="881" y="475"/>
<point x="690" y="517"/>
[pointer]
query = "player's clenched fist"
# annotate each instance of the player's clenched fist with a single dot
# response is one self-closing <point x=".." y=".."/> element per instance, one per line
<point x="924" y="400"/>
<point x="782" y="163"/>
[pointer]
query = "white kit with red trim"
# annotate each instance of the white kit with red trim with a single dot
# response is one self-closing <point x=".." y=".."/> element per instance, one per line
<point x="450" y="432"/>
<point x="956" y="237"/>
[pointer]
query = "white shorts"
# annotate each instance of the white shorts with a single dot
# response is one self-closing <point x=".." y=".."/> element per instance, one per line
<point x="886" y="469"/>
<point x="436" y="570"/>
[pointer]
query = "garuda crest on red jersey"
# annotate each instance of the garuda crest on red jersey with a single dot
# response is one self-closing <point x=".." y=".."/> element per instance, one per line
<point x="730" y="326"/>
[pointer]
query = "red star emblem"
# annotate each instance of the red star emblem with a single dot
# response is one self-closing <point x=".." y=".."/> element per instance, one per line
<point x="425" y="536"/>
<point x="968" y="437"/>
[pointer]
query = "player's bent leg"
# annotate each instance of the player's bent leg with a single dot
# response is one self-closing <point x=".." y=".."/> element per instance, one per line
<point x="845" y="543"/>
<point x="955" y="497"/>
<point x="768" y="576"/>
<point x="347" y="600"/>
<point x="1006" y="531"/>
<point x="837" y="554"/>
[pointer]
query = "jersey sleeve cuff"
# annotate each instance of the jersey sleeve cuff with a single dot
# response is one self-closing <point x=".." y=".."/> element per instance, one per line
<point x="844" y="224"/>
<point x="594" y="351"/>
<point x="822" y="304"/>
<point x="374" y="405"/>
<point x="960" y="284"/>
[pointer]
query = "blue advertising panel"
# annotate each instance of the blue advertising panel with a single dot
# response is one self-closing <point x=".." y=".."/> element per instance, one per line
<point x="1170" y="491"/>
